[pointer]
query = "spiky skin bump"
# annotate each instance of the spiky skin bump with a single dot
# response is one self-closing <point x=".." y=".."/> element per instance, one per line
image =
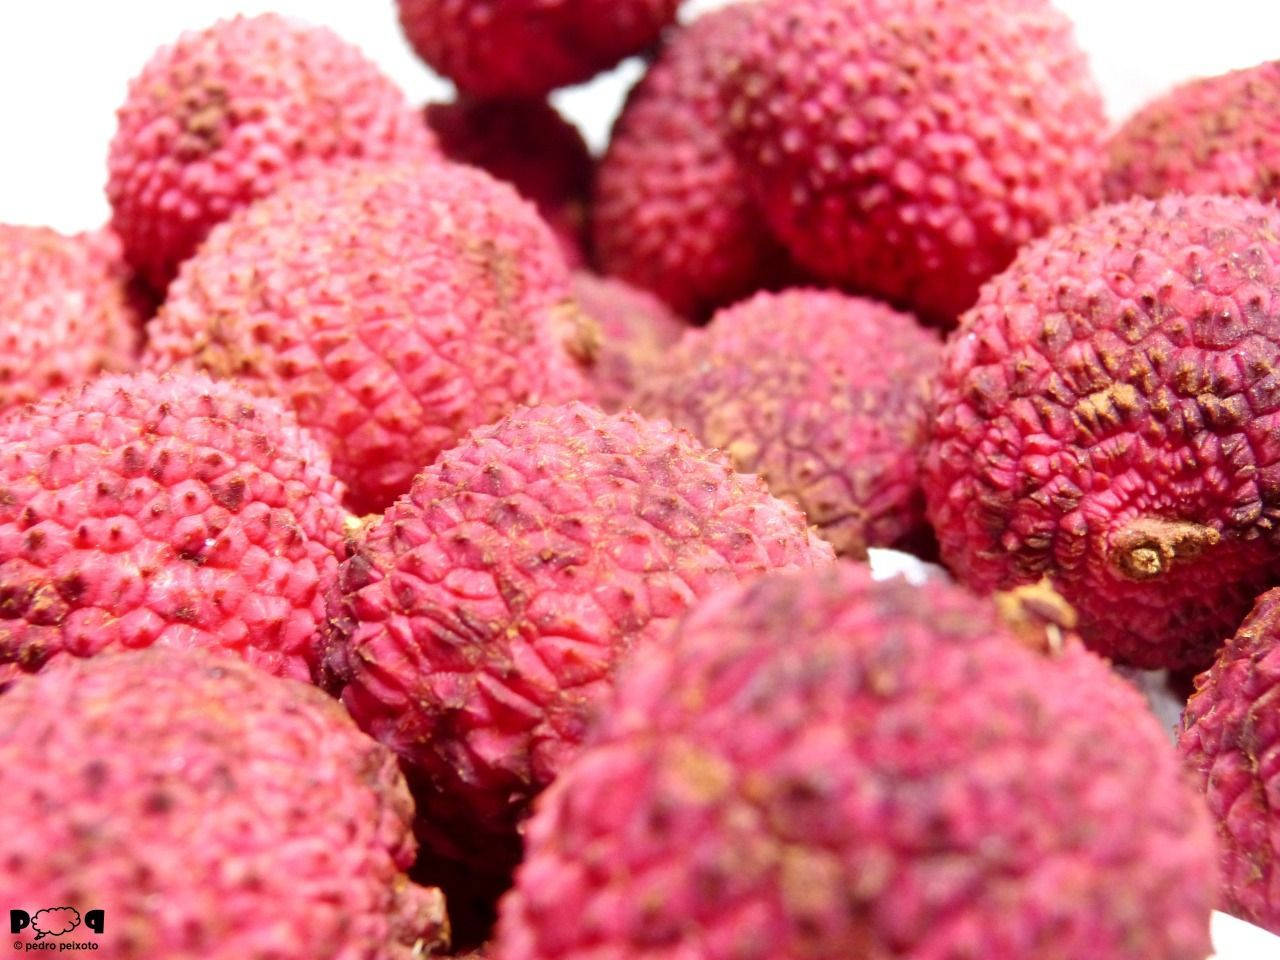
<point x="1212" y="135"/>
<point x="673" y="211"/>
<point x="821" y="394"/>
<point x="174" y="512"/>
<point x="1107" y="417"/>
<point x="66" y="312"/>
<point x="210" y="811"/>
<point x="1230" y="742"/>
<point x="226" y="114"/>
<point x="907" y="148"/>
<point x="475" y="627"/>
<point x="822" y="766"/>
<point x="531" y="146"/>
<point x="394" y="307"/>
<point x="637" y="332"/>
<point x="527" y="48"/>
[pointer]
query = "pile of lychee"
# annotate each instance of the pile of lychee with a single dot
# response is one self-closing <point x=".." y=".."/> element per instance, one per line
<point x="420" y="536"/>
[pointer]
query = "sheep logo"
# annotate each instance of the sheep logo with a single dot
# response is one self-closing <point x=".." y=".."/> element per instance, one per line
<point x="54" y="921"/>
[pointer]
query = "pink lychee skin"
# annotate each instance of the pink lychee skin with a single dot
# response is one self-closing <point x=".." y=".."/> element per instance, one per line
<point x="475" y="627"/>
<point x="226" y="114"/>
<point x="907" y="148"/>
<point x="817" y="765"/>
<point x="1230" y="741"/>
<point x="175" y="512"/>
<point x="66" y="311"/>
<point x="209" y="810"/>
<point x="393" y="307"/>
<point x="1107" y="416"/>
<point x="527" y="48"/>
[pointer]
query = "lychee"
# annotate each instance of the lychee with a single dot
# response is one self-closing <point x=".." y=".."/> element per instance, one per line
<point x="818" y="765"/>
<point x="226" y="114"/>
<point x="393" y="307"/>
<point x="174" y="512"/>
<point x="821" y="394"/>
<point x="207" y="810"/>
<point x="907" y="148"/>
<point x="1107" y="416"/>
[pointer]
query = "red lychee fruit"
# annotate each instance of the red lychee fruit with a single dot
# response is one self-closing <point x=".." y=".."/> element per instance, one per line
<point x="66" y="311"/>
<point x="1107" y="416"/>
<point x="531" y="146"/>
<point x="527" y="48"/>
<point x="475" y="627"/>
<point x="907" y="148"/>
<point x="673" y="211"/>
<point x="173" y="512"/>
<point x="1212" y="135"/>
<point x="1231" y="743"/>
<point x="818" y="765"/>
<point x="821" y="394"/>
<point x="209" y="811"/>
<point x="393" y="307"/>
<point x="227" y="114"/>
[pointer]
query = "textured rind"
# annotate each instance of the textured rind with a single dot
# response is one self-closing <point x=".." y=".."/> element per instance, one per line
<point x="174" y="512"/>
<point x="637" y="332"/>
<point x="475" y="628"/>
<point x="66" y="311"/>
<point x="1230" y="741"/>
<point x="1212" y="135"/>
<point x="394" y="307"/>
<point x="822" y="766"/>
<point x="907" y="148"/>
<point x="530" y="145"/>
<point x="210" y="811"/>
<point x="673" y="211"/>
<point x="527" y="48"/>
<point x="226" y="114"/>
<point x="1113" y="402"/>
<point x="821" y="394"/>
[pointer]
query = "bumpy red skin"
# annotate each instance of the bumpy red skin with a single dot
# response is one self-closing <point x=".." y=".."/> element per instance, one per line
<point x="1107" y="416"/>
<point x="1231" y="743"/>
<point x="209" y="810"/>
<point x="821" y="766"/>
<point x="530" y="145"/>
<point x="393" y="307"/>
<point x="527" y="48"/>
<point x="66" y="311"/>
<point x="821" y="394"/>
<point x="637" y="332"/>
<point x="227" y="114"/>
<point x="673" y="212"/>
<point x="1213" y="135"/>
<point x="173" y="512"/>
<point x="475" y="628"/>
<point x="907" y="148"/>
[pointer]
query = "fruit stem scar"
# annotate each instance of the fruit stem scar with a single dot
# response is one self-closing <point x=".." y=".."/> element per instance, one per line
<point x="1147" y="547"/>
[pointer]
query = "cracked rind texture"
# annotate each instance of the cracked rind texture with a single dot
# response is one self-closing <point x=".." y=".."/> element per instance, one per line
<point x="673" y="211"/>
<point x="226" y="114"/>
<point x="527" y="48"/>
<point x="393" y="307"/>
<point x="174" y="512"/>
<point x="528" y="144"/>
<point x="1107" y="416"/>
<point x="67" y="312"/>
<point x="1211" y="135"/>
<point x="907" y="148"/>
<point x="821" y="394"/>
<point x="637" y="333"/>
<point x="1230" y="742"/>
<point x="475" y="628"/>
<point x="210" y="811"/>
<point x="824" y="766"/>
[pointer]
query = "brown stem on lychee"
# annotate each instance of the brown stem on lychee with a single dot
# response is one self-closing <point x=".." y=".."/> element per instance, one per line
<point x="1037" y="615"/>
<point x="1147" y="548"/>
